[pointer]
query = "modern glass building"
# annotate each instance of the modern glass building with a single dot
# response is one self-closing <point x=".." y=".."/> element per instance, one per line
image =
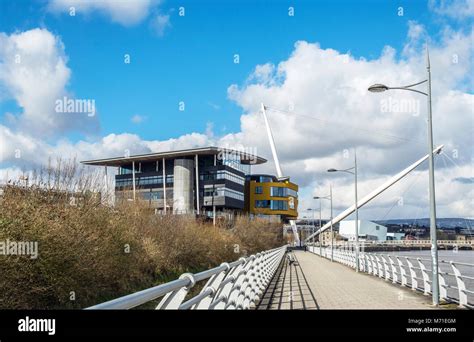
<point x="268" y="196"/>
<point x="183" y="182"/>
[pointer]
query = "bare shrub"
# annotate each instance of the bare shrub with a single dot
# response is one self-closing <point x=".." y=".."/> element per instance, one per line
<point x="90" y="252"/>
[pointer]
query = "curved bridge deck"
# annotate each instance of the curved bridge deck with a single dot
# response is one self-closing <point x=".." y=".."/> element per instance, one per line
<point x="312" y="282"/>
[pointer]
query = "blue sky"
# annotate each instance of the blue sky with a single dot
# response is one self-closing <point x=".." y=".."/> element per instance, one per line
<point x="190" y="58"/>
<point x="193" y="60"/>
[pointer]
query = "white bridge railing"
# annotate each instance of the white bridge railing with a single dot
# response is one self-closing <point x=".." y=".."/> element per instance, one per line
<point x="441" y="243"/>
<point x="236" y="285"/>
<point x="455" y="283"/>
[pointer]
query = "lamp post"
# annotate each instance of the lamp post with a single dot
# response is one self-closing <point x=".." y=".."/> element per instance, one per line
<point x="314" y="227"/>
<point x="355" y="206"/>
<point x="377" y="88"/>
<point x="332" y="234"/>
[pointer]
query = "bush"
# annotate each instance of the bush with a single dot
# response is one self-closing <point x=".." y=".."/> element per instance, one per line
<point x="91" y="253"/>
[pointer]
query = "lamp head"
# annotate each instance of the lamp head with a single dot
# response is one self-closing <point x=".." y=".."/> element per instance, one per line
<point x="332" y="170"/>
<point x="378" y="88"/>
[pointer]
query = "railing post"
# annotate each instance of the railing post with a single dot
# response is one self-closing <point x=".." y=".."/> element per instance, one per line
<point x="426" y="278"/>
<point x="173" y="300"/>
<point x="403" y="273"/>
<point x="460" y="285"/>
<point x="240" y="281"/>
<point x="385" y="267"/>
<point x="443" y="288"/>
<point x="362" y="263"/>
<point x="212" y="283"/>
<point x="414" y="282"/>
<point x="374" y="265"/>
<point x="394" y="270"/>
<point x="379" y="267"/>
<point x="369" y="263"/>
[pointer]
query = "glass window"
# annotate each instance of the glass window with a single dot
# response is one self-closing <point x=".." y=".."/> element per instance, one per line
<point x="152" y="195"/>
<point x="259" y="190"/>
<point x="279" y="191"/>
<point x="222" y="191"/>
<point x="222" y="174"/>
<point x="279" y="205"/>
<point x="262" y="204"/>
<point x="292" y="192"/>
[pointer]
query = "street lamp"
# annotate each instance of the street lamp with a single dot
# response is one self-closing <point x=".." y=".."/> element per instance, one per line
<point x="320" y="225"/>
<point x="356" y="209"/>
<point x="332" y="234"/>
<point x="377" y="88"/>
<point x="314" y="227"/>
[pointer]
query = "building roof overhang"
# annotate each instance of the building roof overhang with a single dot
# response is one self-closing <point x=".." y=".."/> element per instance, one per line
<point x="245" y="158"/>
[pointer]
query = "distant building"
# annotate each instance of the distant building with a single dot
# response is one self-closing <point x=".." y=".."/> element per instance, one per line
<point x="193" y="181"/>
<point x="395" y="236"/>
<point x="368" y="230"/>
<point x="200" y="181"/>
<point x="465" y="235"/>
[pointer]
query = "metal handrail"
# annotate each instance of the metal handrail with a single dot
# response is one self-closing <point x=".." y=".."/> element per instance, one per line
<point x="231" y="285"/>
<point x="407" y="274"/>
<point x="411" y="242"/>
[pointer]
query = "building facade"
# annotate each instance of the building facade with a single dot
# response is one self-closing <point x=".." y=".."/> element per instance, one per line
<point x="195" y="181"/>
<point x="202" y="181"/>
<point x="268" y="196"/>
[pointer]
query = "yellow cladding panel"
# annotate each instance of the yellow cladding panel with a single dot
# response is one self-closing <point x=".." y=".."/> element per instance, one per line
<point x="266" y="195"/>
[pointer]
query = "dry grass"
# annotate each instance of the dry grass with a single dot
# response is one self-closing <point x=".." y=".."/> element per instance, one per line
<point x="95" y="252"/>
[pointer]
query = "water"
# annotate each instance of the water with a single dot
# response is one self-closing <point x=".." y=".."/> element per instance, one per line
<point x="452" y="255"/>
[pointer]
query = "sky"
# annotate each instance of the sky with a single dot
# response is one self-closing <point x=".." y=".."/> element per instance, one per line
<point x="171" y="75"/>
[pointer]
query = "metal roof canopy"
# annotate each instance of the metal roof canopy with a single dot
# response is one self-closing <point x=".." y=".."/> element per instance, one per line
<point x="246" y="158"/>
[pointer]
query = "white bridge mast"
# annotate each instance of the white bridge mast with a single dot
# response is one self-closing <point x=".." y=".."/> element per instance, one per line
<point x="278" y="168"/>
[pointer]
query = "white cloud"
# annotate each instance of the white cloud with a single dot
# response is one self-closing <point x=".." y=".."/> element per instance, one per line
<point x="327" y="110"/>
<point x="34" y="72"/>
<point x="126" y="13"/>
<point x="457" y="9"/>
<point x="138" y="119"/>
<point x="160" y="23"/>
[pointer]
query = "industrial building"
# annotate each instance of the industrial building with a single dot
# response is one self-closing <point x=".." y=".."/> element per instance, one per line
<point x="168" y="182"/>
<point x="368" y="230"/>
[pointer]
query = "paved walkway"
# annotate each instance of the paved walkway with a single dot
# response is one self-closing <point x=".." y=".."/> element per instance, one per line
<point x="312" y="282"/>
<point x="288" y="289"/>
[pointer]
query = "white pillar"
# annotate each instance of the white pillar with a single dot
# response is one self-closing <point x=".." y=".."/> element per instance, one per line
<point x="106" y="185"/>
<point x="133" y="179"/>
<point x="332" y="233"/>
<point x="356" y="206"/>
<point x="196" y="161"/>
<point x="164" y="185"/>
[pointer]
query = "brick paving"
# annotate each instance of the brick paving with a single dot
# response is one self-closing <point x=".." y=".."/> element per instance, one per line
<point x="312" y="282"/>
